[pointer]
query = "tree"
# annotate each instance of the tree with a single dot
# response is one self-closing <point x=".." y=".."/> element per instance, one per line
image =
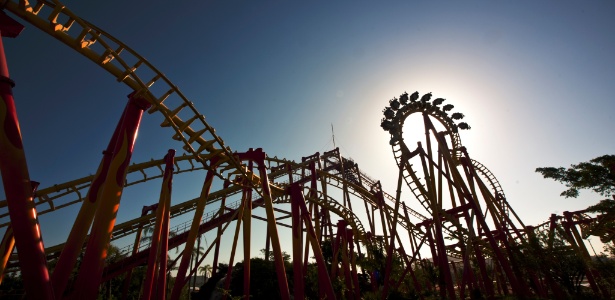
<point x="263" y="279"/>
<point x="205" y="270"/>
<point x="112" y="287"/>
<point x="147" y="235"/>
<point x="285" y="256"/>
<point x="605" y="227"/>
<point x="194" y="259"/>
<point x="598" y="175"/>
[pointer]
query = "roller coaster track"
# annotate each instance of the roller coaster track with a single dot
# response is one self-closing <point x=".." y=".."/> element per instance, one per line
<point x="333" y="205"/>
<point x="497" y="190"/>
<point x="190" y="127"/>
<point x="177" y="229"/>
<point x="144" y="172"/>
<point x="153" y="170"/>
<point x="400" y="149"/>
<point x="364" y="178"/>
<point x="321" y="200"/>
<point x="128" y="67"/>
<point x="198" y="137"/>
<point x="213" y="221"/>
<point x="204" y="147"/>
<point x="412" y="180"/>
<point x="363" y="191"/>
<point x="444" y="163"/>
<point x="138" y="173"/>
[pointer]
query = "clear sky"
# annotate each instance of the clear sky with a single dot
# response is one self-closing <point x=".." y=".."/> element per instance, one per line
<point x="535" y="80"/>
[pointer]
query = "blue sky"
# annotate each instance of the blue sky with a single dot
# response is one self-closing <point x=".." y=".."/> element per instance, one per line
<point x="534" y="79"/>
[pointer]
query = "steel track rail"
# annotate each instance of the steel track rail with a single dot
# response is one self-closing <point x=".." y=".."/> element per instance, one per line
<point x="143" y="171"/>
<point x="128" y="67"/>
<point x="130" y="227"/>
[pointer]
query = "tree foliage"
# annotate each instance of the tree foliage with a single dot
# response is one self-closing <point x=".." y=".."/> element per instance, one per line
<point x="598" y="175"/>
<point x="605" y="227"/>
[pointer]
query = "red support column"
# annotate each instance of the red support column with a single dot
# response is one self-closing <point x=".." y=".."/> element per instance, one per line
<point x="417" y="285"/>
<point x="481" y="263"/>
<point x="6" y="248"/>
<point x="335" y="246"/>
<point x="393" y="223"/>
<point x="258" y="156"/>
<point x="353" y="264"/>
<point x="297" y="250"/>
<point x="164" y="250"/>
<point x="381" y="207"/>
<point x="312" y="210"/>
<point x="574" y="238"/>
<point x="79" y="231"/>
<point x="231" y="261"/>
<point x="214" y="268"/>
<point x="17" y="184"/>
<point x="165" y="194"/>
<point x="408" y="268"/>
<point x="90" y="273"/>
<point x="467" y="275"/>
<point x="135" y="249"/>
<point x="343" y="248"/>
<point x="8" y="241"/>
<point x="247" y="231"/>
<point x="306" y="247"/>
<point x="180" y="280"/>
<point x="325" y="286"/>
<point x="516" y="284"/>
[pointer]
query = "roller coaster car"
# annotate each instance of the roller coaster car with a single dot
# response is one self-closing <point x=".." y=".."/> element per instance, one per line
<point x="403" y="98"/>
<point x="438" y="101"/>
<point x="389" y="113"/>
<point x="447" y="107"/>
<point x="386" y="125"/>
<point x="414" y="96"/>
<point x="457" y="116"/>
<point x="394" y="104"/>
<point x="426" y="97"/>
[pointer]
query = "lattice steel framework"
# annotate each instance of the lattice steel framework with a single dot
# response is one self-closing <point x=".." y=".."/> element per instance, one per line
<point x="325" y="198"/>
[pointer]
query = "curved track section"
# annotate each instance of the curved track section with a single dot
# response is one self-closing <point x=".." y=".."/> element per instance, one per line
<point x="280" y="172"/>
<point x="457" y="190"/>
<point x="128" y="67"/>
<point x="65" y="193"/>
<point x="498" y="192"/>
<point x="208" y="150"/>
<point x="395" y="117"/>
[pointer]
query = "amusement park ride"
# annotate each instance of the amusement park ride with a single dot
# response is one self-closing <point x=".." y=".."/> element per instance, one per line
<point x="474" y="238"/>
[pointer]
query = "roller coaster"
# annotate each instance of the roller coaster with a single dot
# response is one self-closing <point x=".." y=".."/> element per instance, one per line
<point x="470" y="243"/>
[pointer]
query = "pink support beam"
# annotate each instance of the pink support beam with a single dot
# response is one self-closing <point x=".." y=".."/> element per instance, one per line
<point x="90" y="273"/>
<point x="298" y="201"/>
<point x="214" y="268"/>
<point x="161" y="212"/>
<point x="247" y="231"/>
<point x="17" y="184"/>
<point x="180" y="280"/>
